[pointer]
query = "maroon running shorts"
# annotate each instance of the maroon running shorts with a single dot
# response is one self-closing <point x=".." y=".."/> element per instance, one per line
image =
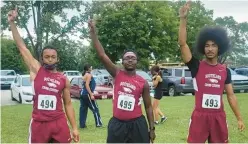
<point x="211" y="126"/>
<point x="52" y="131"/>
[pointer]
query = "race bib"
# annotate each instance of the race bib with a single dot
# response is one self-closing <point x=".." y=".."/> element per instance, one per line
<point x="211" y="101"/>
<point x="125" y="103"/>
<point x="47" y="102"/>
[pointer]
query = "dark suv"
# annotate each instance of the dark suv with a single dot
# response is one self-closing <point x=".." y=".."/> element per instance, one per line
<point x="177" y="80"/>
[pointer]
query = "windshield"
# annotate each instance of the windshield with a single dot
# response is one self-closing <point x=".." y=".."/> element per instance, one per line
<point x="232" y="72"/>
<point x="144" y="75"/>
<point x="7" y="73"/>
<point x="73" y="74"/>
<point x="187" y="73"/>
<point x="104" y="72"/>
<point x="26" y="81"/>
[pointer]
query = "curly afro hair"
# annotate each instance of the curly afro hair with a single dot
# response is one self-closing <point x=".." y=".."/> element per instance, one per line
<point x="216" y="34"/>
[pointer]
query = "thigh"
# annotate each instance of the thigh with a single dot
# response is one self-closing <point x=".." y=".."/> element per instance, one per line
<point x="198" y="128"/>
<point x="39" y="132"/>
<point x="117" y="132"/>
<point x="139" y="133"/>
<point x="219" y="130"/>
<point x="62" y="132"/>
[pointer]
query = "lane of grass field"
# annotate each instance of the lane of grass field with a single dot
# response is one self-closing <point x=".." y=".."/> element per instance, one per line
<point x="15" y="121"/>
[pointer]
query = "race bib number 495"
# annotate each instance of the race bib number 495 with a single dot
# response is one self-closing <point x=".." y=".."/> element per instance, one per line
<point x="211" y="101"/>
<point x="125" y="103"/>
<point x="47" y="102"/>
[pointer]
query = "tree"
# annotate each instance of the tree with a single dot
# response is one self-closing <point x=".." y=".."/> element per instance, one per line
<point x="147" y="27"/>
<point x="198" y="17"/>
<point x="11" y="58"/>
<point x="238" y="33"/>
<point x="45" y="15"/>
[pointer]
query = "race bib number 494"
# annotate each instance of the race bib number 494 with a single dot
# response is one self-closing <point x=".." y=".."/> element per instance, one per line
<point x="126" y="103"/>
<point x="47" y="102"/>
<point x="211" y="101"/>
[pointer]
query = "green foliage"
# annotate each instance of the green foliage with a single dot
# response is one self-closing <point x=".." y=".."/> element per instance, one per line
<point x="10" y="57"/>
<point x="238" y="33"/>
<point x="46" y="17"/>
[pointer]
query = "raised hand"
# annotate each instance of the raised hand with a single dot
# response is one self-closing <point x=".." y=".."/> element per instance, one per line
<point x="91" y="25"/>
<point x="183" y="12"/>
<point x="12" y="15"/>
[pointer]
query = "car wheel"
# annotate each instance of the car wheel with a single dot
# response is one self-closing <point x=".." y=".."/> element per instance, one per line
<point x="20" y="99"/>
<point x="12" y="98"/>
<point x="172" y="91"/>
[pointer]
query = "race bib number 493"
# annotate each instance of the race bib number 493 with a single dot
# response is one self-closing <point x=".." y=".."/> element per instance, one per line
<point x="211" y="101"/>
<point x="126" y="103"/>
<point x="47" y="102"/>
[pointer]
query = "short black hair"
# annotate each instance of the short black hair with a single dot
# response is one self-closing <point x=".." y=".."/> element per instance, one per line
<point x="129" y="50"/>
<point x="48" y="47"/>
<point x="214" y="33"/>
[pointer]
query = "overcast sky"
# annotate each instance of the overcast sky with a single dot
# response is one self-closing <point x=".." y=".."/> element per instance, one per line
<point x="238" y="9"/>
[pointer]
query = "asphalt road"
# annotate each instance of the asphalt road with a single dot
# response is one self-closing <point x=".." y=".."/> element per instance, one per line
<point x="6" y="98"/>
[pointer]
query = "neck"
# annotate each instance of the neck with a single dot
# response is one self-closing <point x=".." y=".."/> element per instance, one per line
<point x="53" y="71"/>
<point x="133" y="72"/>
<point x="213" y="61"/>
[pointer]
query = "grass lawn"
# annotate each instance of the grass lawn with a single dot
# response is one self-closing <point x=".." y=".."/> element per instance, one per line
<point x="15" y="121"/>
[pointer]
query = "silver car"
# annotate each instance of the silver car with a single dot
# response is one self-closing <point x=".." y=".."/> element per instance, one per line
<point x="7" y="78"/>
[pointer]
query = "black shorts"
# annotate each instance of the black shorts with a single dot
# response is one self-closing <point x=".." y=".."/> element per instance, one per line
<point x="132" y="131"/>
<point x="158" y="96"/>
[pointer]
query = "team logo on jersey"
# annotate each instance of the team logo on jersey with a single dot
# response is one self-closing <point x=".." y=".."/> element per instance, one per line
<point x="51" y="84"/>
<point x="213" y="80"/>
<point x="128" y="90"/>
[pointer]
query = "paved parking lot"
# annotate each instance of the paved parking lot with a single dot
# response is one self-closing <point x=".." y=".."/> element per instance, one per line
<point x="6" y="98"/>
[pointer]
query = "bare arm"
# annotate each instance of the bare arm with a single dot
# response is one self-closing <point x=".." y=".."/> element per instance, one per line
<point x="108" y="64"/>
<point x="182" y="34"/>
<point x="70" y="113"/>
<point x="87" y="84"/>
<point x="232" y="100"/>
<point x="148" y="105"/>
<point x="29" y="60"/>
<point x="156" y="81"/>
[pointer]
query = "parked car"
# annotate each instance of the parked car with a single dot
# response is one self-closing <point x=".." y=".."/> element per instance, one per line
<point x="240" y="82"/>
<point x="71" y="74"/>
<point x="7" y="78"/>
<point x="101" y="92"/>
<point x="177" y="80"/>
<point x="102" y="74"/>
<point x="21" y="89"/>
<point x="242" y="71"/>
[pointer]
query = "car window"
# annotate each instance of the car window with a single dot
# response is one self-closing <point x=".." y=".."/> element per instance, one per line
<point x="15" y="80"/>
<point x="187" y="73"/>
<point x="8" y="73"/>
<point x="74" y="81"/>
<point x="178" y="72"/>
<point x="26" y="81"/>
<point x="73" y="74"/>
<point x="144" y="75"/>
<point x="167" y="72"/>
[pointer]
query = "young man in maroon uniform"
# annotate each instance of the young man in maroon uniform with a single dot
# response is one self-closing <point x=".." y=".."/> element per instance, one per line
<point x="128" y="125"/>
<point x="48" y="123"/>
<point x="210" y="79"/>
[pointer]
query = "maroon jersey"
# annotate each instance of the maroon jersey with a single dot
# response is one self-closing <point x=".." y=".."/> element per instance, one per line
<point x="48" y="88"/>
<point x="127" y="96"/>
<point x="209" y="84"/>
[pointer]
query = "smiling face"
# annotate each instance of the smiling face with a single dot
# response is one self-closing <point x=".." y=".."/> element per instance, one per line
<point x="129" y="61"/>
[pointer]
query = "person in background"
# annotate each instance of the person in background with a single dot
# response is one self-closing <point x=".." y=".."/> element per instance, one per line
<point x="87" y="99"/>
<point x="157" y="84"/>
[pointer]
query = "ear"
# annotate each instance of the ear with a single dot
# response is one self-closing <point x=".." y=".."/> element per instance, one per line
<point x="57" y="60"/>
